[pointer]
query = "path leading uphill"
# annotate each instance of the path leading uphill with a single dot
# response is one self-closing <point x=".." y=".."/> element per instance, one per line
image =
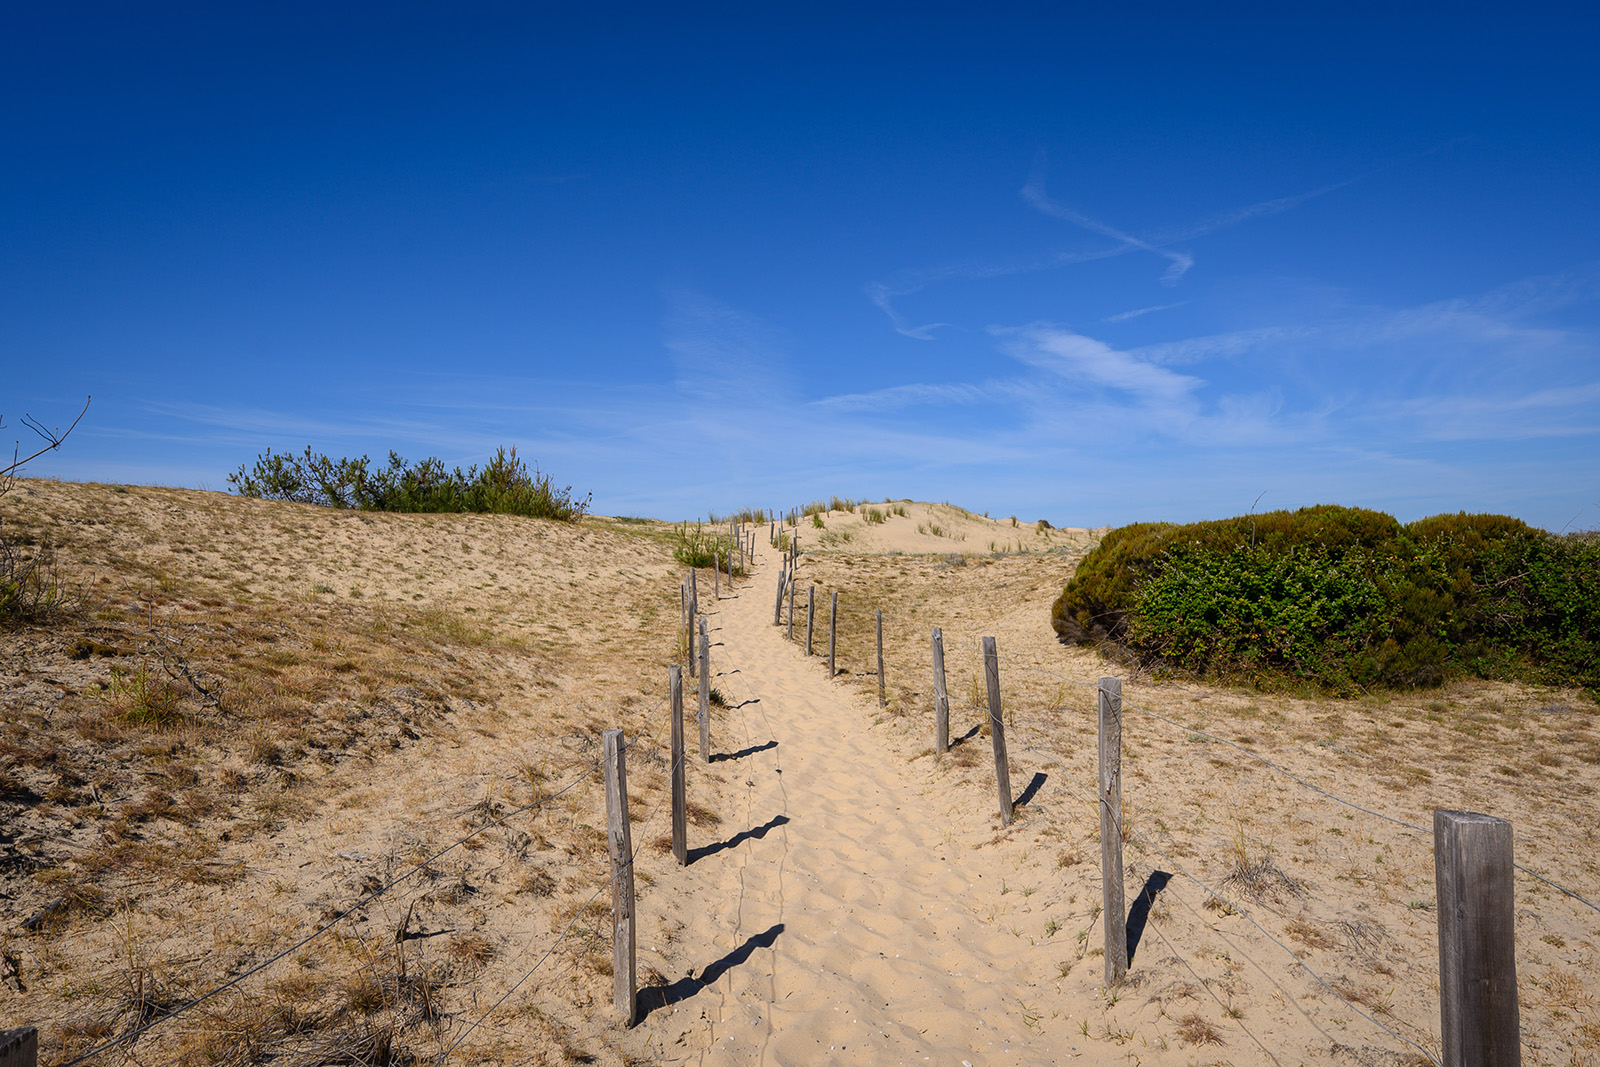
<point x="845" y="916"/>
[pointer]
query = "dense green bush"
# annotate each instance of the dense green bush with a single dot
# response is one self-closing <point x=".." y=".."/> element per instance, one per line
<point x="504" y="486"/>
<point x="1344" y="598"/>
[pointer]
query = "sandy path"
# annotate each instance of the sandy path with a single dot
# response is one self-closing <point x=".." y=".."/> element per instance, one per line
<point x="849" y="906"/>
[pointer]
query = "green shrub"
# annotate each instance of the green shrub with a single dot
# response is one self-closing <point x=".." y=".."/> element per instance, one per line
<point x="504" y="486"/>
<point x="1345" y="598"/>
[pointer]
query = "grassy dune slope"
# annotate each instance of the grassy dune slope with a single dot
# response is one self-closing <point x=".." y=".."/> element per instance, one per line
<point x="365" y="690"/>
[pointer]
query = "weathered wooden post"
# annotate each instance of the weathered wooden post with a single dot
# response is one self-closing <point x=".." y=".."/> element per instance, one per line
<point x="833" y="633"/>
<point x="20" y="1047"/>
<point x="730" y="572"/>
<point x="997" y="729"/>
<point x="883" y="698"/>
<point x="694" y="587"/>
<point x="811" y="616"/>
<point x="705" y="694"/>
<point x="791" y="607"/>
<point x="1112" y="899"/>
<point x="694" y="613"/>
<point x="1473" y="870"/>
<point x="777" y="607"/>
<point x="716" y="576"/>
<point x="624" y="955"/>
<point x="680" y="798"/>
<point x="941" y="699"/>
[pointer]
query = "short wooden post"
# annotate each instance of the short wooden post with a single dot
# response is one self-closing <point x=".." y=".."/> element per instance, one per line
<point x="705" y="694"/>
<point x="777" y="607"/>
<point x="680" y="797"/>
<point x="1113" y="902"/>
<point x="941" y="699"/>
<point x="716" y="576"/>
<point x="694" y="613"/>
<point x="694" y="587"/>
<point x="19" y="1048"/>
<point x="1473" y="869"/>
<point x="624" y="955"/>
<point x="997" y="729"/>
<point x="883" y="698"/>
<point x="833" y="633"/>
<point x="683" y="603"/>
<point x="811" y="616"/>
<point x="791" y="607"/>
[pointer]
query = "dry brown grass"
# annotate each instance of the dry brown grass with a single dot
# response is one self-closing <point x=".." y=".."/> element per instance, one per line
<point x="262" y="712"/>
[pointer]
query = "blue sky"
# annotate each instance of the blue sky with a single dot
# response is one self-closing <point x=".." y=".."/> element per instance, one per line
<point x="1089" y="265"/>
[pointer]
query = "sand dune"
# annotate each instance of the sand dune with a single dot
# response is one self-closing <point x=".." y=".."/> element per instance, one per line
<point x="392" y="684"/>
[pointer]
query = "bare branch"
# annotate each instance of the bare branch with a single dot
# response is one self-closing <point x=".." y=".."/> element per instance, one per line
<point x="54" y="437"/>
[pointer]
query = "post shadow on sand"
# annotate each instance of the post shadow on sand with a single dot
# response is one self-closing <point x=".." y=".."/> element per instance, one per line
<point x="1139" y="914"/>
<point x="968" y="736"/>
<point x="664" y="996"/>
<point x="723" y="757"/>
<point x="1039" y="779"/>
<point x="737" y="839"/>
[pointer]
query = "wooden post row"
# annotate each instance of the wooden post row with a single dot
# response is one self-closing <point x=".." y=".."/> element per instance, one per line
<point x="680" y="799"/>
<point x="705" y="694"/>
<point x="833" y="633"/>
<point x="624" y="954"/>
<point x="941" y="699"/>
<point x="883" y="699"/>
<point x="997" y="729"/>
<point x="811" y="616"/>
<point x="1473" y="868"/>
<point x="1113" y="901"/>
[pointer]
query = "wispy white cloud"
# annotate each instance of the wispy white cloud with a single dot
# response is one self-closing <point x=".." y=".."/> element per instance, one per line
<point x="1124" y="316"/>
<point x="1089" y="361"/>
<point x="1178" y="263"/>
<point x="904" y="283"/>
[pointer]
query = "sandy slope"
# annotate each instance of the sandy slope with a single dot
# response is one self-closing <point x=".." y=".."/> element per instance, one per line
<point x="851" y="929"/>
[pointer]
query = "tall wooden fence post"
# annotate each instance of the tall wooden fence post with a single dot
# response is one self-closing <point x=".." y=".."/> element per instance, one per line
<point x="716" y="576"/>
<point x="883" y="698"/>
<point x="791" y="607"/>
<point x="997" y="728"/>
<point x="705" y="694"/>
<point x="730" y="572"/>
<point x="1112" y="899"/>
<point x="1473" y="868"/>
<point x="941" y="699"/>
<point x="811" y="616"/>
<point x="833" y="633"/>
<point x="694" y="613"/>
<point x="680" y="794"/>
<point x="777" y="607"/>
<point x="624" y="955"/>
<point x="19" y="1048"/>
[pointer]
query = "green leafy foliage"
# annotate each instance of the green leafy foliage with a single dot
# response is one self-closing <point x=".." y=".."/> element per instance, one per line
<point x="700" y="548"/>
<point x="1344" y="598"/>
<point x="504" y="486"/>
